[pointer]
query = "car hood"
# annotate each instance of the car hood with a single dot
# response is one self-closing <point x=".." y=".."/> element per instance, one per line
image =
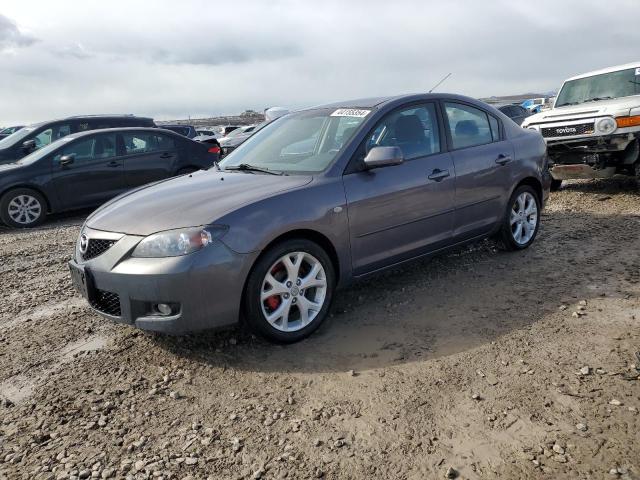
<point x="614" y="107"/>
<point x="200" y="198"/>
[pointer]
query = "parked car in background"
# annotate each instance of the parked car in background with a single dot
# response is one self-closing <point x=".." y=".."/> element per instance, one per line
<point x="5" y="132"/>
<point x="534" y="105"/>
<point x="86" y="169"/>
<point x="188" y="131"/>
<point x="39" y="135"/>
<point x="312" y="201"/>
<point x="226" y="130"/>
<point x="593" y="130"/>
<point x="237" y="136"/>
<point x="516" y="113"/>
<point x="206" y="133"/>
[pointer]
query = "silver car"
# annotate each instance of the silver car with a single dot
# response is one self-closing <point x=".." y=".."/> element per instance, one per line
<point x="311" y="202"/>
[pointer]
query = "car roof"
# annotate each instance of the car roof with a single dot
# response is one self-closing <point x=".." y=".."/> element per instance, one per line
<point x="606" y="70"/>
<point x="89" y="117"/>
<point x="73" y="136"/>
<point x="379" y="102"/>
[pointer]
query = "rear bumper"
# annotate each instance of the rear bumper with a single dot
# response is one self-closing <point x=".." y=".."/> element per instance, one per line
<point x="577" y="171"/>
<point x="204" y="288"/>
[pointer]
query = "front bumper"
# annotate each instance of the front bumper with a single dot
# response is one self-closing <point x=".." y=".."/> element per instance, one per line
<point x="204" y="287"/>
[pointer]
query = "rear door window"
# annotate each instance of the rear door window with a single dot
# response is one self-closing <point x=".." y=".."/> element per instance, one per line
<point x="146" y="142"/>
<point x="469" y="126"/>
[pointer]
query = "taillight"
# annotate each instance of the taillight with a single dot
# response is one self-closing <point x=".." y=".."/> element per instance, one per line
<point x="214" y="149"/>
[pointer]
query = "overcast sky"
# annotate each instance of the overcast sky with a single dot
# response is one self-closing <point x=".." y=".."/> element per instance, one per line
<point x="171" y="59"/>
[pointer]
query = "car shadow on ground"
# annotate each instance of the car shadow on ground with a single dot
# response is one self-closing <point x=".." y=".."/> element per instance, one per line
<point x="617" y="185"/>
<point x="441" y="306"/>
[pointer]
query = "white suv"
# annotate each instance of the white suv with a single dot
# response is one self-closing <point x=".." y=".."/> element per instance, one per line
<point x="593" y="129"/>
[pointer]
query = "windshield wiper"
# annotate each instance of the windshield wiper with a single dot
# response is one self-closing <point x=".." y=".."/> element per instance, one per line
<point x="597" y="99"/>
<point x="245" y="167"/>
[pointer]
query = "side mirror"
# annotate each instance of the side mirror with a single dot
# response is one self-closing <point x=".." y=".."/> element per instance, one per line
<point x="67" y="159"/>
<point x="383" y="157"/>
<point x="29" y="145"/>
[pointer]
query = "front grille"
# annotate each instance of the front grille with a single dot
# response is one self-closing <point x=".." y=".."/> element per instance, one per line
<point x="96" y="247"/>
<point x="106" y="302"/>
<point x="568" y="130"/>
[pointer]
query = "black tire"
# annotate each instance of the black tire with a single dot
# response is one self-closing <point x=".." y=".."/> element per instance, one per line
<point x="555" y="185"/>
<point x="18" y="194"/>
<point x="506" y="235"/>
<point x="253" y="306"/>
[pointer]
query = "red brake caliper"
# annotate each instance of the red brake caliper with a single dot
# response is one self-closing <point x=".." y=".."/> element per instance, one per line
<point x="274" y="301"/>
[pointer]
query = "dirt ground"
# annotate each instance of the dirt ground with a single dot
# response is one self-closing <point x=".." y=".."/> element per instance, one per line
<point x="477" y="364"/>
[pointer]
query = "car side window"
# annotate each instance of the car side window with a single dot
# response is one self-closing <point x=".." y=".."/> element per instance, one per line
<point x="52" y="134"/>
<point x="145" y="142"/>
<point x="495" y="128"/>
<point x="89" y="149"/>
<point x="469" y="126"/>
<point x="413" y="129"/>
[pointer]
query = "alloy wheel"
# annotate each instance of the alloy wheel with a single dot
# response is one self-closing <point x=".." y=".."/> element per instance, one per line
<point x="293" y="291"/>
<point x="524" y="218"/>
<point x="24" y="209"/>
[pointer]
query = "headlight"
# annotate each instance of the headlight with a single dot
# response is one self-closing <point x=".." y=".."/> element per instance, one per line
<point x="175" y="243"/>
<point x="606" y="125"/>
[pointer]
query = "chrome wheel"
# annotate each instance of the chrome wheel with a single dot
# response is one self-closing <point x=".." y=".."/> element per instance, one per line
<point x="524" y="218"/>
<point x="293" y="291"/>
<point x="24" y="209"/>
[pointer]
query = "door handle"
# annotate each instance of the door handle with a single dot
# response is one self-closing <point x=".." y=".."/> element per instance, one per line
<point x="438" y="175"/>
<point x="503" y="159"/>
<point x="113" y="164"/>
<point x="166" y="155"/>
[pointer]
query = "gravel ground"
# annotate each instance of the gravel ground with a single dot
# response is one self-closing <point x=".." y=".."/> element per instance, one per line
<point x="477" y="364"/>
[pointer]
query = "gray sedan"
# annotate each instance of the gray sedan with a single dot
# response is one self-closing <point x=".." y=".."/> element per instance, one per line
<point x="313" y="201"/>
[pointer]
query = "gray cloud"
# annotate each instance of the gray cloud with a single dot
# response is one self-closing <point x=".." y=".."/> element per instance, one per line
<point x="196" y="58"/>
<point x="11" y="36"/>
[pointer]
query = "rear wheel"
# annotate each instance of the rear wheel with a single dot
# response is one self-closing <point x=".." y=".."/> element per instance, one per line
<point x="522" y="219"/>
<point x="22" y="208"/>
<point x="555" y="185"/>
<point x="289" y="291"/>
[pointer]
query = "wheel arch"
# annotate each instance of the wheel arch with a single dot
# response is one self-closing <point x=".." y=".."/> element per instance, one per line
<point x="30" y="187"/>
<point x="302" y="233"/>
<point x="534" y="183"/>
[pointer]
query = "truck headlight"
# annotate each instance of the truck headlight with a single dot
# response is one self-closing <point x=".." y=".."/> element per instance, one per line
<point x="175" y="243"/>
<point x="606" y="125"/>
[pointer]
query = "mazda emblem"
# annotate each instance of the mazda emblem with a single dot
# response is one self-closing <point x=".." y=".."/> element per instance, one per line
<point x="84" y="243"/>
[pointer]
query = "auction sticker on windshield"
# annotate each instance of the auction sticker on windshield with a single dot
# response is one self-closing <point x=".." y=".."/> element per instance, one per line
<point x="350" y="112"/>
<point x="638" y="71"/>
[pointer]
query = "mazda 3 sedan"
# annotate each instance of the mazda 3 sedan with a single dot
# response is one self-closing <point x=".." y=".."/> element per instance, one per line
<point x="311" y="202"/>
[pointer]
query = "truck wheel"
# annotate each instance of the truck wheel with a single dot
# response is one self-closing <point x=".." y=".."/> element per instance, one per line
<point x="555" y="185"/>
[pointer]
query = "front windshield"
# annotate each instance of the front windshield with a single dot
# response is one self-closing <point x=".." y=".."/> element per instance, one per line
<point x="301" y="142"/>
<point x="622" y="83"/>
<point x="16" y="137"/>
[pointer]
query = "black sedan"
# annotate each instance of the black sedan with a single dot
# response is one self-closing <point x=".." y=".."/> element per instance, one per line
<point x="86" y="169"/>
<point x="516" y="113"/>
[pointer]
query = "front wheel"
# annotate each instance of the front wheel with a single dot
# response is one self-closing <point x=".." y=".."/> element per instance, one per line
<point x="522" y="219"/>
<point x="22" y="208"/>
<point x="289" y="291"/>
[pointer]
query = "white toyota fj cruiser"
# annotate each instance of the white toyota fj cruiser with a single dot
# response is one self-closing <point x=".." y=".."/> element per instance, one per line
<point x="593" y="129"/>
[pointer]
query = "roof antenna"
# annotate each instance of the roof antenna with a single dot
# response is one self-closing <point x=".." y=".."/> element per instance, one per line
<point x="440" y="82"/>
